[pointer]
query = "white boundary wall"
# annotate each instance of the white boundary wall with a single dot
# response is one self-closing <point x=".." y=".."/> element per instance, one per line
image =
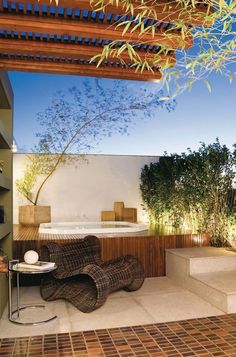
<point x="80" y="191"/>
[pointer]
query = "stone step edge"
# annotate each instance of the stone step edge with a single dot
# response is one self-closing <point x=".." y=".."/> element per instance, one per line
<point x="197" y="277"/>
<point x="209" y="293"/>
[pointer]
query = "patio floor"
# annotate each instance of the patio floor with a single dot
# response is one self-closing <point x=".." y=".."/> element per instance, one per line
<point x="159" y="300"/>
<point x="160" y="319"/>
<point x="205" y="337"/>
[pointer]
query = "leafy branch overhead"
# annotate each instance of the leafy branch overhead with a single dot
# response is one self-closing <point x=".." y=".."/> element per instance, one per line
<point x="207" y="26"/>
<point x="77" y="120"/>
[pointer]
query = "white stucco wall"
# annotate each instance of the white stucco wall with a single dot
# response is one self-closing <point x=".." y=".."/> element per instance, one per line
<point x="79" y="192"/>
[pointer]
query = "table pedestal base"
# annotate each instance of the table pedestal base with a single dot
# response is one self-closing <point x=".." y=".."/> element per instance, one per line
<point x="37" y="306"/>
<point x="13" y="269"/>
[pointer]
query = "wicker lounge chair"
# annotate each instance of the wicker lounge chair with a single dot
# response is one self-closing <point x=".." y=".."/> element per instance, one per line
<point x="83" y="278"/>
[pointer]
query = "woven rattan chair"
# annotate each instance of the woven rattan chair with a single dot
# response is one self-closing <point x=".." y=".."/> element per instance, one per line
<point x="83" y="278"/>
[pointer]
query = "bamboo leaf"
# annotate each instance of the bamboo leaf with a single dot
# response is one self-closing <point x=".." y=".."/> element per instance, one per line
<point x="231" y="77"/>
<point x="208" y="85"/>
<point x="127" y="26"/>
<point x="164" y="99"/>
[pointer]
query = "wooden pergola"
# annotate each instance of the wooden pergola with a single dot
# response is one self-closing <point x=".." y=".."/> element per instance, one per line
<point x="42" y="37"/>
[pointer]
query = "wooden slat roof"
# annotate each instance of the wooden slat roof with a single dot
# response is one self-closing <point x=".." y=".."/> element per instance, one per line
<point x="85" y="29"/>
<point x="58" y="49"/>
<point x="41" y="37"/>
<point x="165" y="10"/>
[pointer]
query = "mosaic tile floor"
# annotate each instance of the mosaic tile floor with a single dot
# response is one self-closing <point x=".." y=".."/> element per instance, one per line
<point x="211" y="336"/>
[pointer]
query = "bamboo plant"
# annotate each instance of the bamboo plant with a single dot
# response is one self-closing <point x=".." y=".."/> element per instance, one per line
<point x="214" y="45"/>
<point x="194" y="190"/>
<point x="77" y="121"/>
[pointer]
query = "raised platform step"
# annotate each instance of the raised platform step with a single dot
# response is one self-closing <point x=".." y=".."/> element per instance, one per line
<point x="206" y="259"/>
<point x="208" y="272"/>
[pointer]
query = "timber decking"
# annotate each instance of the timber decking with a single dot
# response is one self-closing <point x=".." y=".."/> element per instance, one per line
<point x="149" y="248"/>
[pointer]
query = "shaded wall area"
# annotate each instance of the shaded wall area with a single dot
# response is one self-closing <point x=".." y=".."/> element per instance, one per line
<point x="80" y="191"/>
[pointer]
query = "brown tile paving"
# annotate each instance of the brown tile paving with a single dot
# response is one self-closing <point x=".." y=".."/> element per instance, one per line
<point x="206" y="337"/>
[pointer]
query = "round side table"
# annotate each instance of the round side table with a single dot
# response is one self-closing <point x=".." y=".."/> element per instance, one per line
<point x="13" y="269"/>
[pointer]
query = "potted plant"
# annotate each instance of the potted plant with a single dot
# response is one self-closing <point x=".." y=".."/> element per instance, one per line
<point x="33" y="214"/>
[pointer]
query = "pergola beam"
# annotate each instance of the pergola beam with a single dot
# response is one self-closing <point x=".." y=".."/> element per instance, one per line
<point x="66" y="50"/>
<point x="77" y="69"/>
<point x="61" y="39"/>
<point x="163" y="10"/>
<point x="85" y="29"/>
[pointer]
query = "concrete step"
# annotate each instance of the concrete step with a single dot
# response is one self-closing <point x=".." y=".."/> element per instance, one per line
<point x="217" y="288"/>
<point x="206" y="259"/>
<point x="208" y="272"/>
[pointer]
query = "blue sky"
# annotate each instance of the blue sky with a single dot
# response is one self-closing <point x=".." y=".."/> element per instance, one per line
<point x="199" y="115"/>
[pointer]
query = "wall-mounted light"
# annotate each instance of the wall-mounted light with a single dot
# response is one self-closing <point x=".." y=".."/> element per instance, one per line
<point x="14" y="146"/>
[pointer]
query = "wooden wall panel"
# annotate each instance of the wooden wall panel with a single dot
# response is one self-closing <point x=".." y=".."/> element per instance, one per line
<point x="149" y="249"/>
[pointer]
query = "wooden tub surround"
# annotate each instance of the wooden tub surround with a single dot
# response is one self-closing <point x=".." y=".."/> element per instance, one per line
<point x="148" y="247"/>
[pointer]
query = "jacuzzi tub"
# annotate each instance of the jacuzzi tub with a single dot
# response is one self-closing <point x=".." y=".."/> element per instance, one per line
<point x="91" y="227"/>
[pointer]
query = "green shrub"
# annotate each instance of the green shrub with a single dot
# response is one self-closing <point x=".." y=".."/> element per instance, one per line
<point x="194" y="190"/>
